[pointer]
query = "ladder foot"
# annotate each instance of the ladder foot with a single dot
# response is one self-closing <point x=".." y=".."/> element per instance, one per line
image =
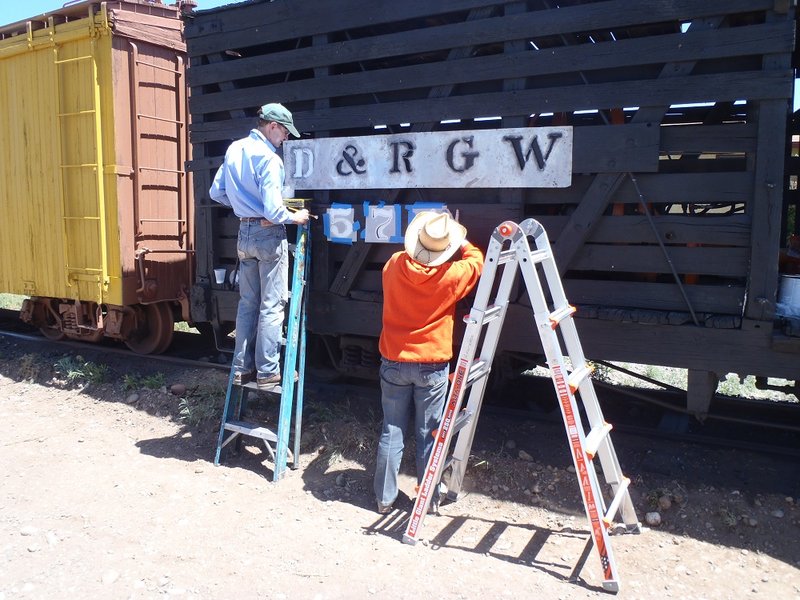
<point x="611" y="586"/>
<point x="636" y="528"/>
<point x="407" y="539"/>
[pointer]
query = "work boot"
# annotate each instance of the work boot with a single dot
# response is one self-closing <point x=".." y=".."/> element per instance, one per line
<point x="242" y="377"/>
<point x="269" y="382"/>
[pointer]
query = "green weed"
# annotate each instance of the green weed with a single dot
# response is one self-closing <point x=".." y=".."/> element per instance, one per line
<point x="29" y="367"/>
<point x="201" y="404"/>
<point x="151" y="382"/>
<point x="77" y="369"/>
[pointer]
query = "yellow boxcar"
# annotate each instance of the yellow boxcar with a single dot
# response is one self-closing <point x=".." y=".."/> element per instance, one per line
<point x="95" y="214"/>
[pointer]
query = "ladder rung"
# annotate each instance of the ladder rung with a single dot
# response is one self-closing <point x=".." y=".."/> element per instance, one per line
<point x="478" y="369"/>
<point x="489" y="315"/>
<point x="560" y="314"/>
<point x="506" y="256"/>
<point x="251" y="430"/>
<point x="595" y="438"/>
<point x="492" y="313"/>
<point x="578" y="376"/>
<point x="614" y="506"/>
<point x="538" y="256"/>
<point x="275" y="388"/>
<point x="463" y="418"/>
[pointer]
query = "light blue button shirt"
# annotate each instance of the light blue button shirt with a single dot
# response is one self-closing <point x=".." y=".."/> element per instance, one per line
<point x="250" y="180"/>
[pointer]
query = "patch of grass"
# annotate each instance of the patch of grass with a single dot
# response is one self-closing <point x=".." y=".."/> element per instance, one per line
<point x="151" y="382"/>
<point x="184" y="327"/>
<point x="339" y="435"/>
<point x="29" y="367"/>
<point x="499" y="465"/>
<point x="733" y="385"/>
<point x="600" y="372"/>
<point x="201" y="404"/>
<point x="729" y="385"/>
<point x="76" y="369"/>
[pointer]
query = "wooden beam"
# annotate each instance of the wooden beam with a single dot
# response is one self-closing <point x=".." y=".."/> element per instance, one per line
<point x="720" y="299"/>
<point x="526" y="62"/>
<point x="729" y="230"/>
<point x="751" y="85"/>
<point x="277" y="21"/>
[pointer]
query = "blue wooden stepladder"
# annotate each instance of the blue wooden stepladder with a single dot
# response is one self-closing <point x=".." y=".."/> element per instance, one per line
<point x="290" y="389"/>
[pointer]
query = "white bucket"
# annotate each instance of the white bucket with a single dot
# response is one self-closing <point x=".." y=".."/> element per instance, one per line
<point x="789" y="292"/>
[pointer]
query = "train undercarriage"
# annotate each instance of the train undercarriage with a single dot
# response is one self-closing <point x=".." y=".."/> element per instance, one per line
<point x="144" y="328"/>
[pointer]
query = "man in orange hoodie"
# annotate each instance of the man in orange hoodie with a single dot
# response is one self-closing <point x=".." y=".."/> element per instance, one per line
<point x="421" y="287"/>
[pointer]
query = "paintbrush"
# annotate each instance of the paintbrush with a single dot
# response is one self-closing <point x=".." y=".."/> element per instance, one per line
<point x="293" y="209"/>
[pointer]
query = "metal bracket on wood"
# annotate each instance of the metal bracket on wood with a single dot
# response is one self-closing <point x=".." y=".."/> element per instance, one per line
<point x="351" y="267"/>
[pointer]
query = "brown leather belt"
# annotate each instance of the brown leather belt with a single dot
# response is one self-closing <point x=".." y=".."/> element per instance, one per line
<point x="263" y="222"/>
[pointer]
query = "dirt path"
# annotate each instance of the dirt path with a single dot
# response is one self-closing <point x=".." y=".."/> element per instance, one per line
<point x="110" y="496"/>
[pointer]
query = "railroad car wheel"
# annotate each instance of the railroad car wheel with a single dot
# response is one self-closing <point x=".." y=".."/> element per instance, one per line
<point x="52" y="333"/>
<point x="154" y="329"/>
<point x="52" y="327"/>
<point x="167" y="327"/>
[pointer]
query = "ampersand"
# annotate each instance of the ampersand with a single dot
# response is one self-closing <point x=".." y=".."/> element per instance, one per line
<point x="349" y="156"/>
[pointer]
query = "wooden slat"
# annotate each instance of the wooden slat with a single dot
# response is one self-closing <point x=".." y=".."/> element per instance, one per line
<point x="732" y="230"/>
<point x="719" y="262"/>
<point x="656" y="296"/>
<point x="666" y="188"/>
<point x="696" y="188"/>
<point x="715" y="44"/>
<point x="736" y="137"/>
<point x="283" y="20"/>
<point x="621" y="258"/>
<point x="287" y="19"/>
<point x="751" y="85"/>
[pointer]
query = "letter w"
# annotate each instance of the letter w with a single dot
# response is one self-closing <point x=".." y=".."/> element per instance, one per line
<point x="523" y="158"/>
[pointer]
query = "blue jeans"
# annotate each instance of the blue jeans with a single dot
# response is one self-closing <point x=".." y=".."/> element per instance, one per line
<point x="264" y="290"/>
<point x="424" y="384"/>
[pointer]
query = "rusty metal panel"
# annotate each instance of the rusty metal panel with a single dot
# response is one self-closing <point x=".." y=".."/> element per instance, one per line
<point x="74" y="209"/>
<point x="155" y="210"/>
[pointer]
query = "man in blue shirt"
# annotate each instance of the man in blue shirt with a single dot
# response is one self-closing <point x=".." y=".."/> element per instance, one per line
<point x="250" y="181"/>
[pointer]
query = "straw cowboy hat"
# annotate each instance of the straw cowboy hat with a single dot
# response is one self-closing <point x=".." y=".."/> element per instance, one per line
<point x="432" y="238"/>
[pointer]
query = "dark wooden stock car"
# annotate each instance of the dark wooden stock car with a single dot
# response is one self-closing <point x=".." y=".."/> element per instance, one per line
<point x="669" y="237"/>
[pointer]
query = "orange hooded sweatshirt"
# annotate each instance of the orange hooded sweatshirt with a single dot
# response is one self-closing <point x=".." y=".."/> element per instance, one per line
<point x="419" y="304"/>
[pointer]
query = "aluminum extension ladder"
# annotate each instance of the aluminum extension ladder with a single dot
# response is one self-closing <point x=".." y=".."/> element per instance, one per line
<point x="569" y="377"/>
<point x="294" y="361"/>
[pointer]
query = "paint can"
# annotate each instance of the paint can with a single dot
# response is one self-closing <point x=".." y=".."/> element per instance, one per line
<point x="789" y="291"/>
